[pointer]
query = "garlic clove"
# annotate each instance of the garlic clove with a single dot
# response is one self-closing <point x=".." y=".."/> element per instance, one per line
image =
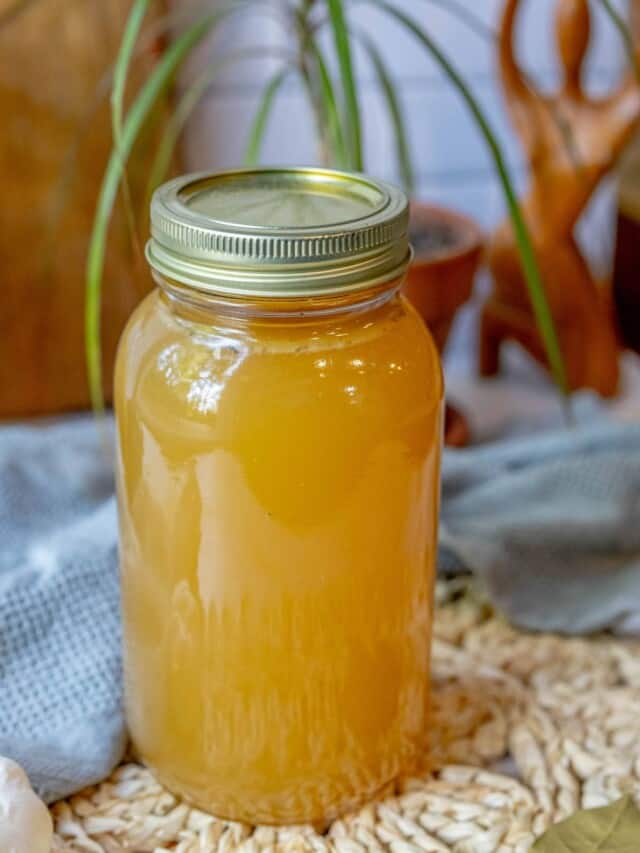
<point x="25" y="822"/>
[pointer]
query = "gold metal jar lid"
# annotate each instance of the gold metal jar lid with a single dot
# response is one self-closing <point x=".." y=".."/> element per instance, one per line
<point x="279" y="232"/>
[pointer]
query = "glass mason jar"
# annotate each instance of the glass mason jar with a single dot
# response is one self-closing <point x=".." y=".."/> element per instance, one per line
<point x="279" y="423"/>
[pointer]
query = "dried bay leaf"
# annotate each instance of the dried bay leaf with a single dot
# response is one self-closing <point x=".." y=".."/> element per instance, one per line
<point x="612" y="829"/>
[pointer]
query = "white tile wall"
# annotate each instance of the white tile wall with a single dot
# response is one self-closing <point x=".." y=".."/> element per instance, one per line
<point x="451" y="160"/>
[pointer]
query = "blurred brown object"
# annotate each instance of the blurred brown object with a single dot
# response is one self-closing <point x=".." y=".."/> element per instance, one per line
<point x="571" y="141"/>
<point x="626" y="272"/>
<point x="55" y="142"/>
<point x="626" y="266"/>
<point x="447" y="250"/>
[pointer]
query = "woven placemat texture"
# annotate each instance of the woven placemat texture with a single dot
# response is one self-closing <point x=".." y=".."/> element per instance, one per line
<point x="527" y="729"/>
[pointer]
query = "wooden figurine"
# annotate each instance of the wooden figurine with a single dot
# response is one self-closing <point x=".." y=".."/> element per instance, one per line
<point x="571" y="142"/>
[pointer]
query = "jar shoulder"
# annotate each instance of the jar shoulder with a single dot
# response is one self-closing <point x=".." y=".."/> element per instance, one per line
<point x="367" y="356"/>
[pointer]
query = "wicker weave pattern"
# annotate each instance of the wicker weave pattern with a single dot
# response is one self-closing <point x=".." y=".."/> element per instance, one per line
<point x="564" y="711"/>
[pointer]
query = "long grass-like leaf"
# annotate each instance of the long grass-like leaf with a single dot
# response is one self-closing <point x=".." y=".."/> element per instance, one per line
<point x="537" y="293"/>
<point x="256" y="134"/>
<point x="466" y="16"/>
<point x="120" y="76"/>
<point x="179" y="117"/>
<point x="351" y="104"/>
<point x="625" y="34"/>
<point x="319" y="87"/>
<point x="327" y="91"/>
<point x="304" y="38"/>
<point x="403" y="151"/>
<point x="140" y="109"/>
<point x="476" y="25"/>
<point x="123" y="63"/>
<point x="184" y="108"/>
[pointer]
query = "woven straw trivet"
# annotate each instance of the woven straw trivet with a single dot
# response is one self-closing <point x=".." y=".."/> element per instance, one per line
<point x="527" y="730"/>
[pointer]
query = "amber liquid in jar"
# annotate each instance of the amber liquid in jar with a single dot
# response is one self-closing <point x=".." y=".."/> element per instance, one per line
<point x="278" y="497"/>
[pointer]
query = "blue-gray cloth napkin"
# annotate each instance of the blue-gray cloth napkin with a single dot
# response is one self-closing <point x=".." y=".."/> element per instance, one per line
<point x="551" y="523"/>
<point x="60" y="681"/>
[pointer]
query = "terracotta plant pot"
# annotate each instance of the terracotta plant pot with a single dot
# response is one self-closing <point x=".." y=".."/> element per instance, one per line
<point x="448" y="248"/>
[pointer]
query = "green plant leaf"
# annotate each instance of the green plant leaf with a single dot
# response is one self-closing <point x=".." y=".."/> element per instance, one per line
<point x="537" y="293"/>
<point x="476" y="25"/>
<point x="466" y="16"/>
<point x="612" y="829"/>
<point x="123" y="63"/>
<point x="188" y="101"/>
<point x="625" y="34"/>
<point x="174" y="126"/>
<point x="256" y="134"/>
<point x="351" y="104"/>
<point x="334" y="125"/>
<point x="119" y="85"/>
<point x="140" y="109"/>
<point x="320" y="88"/>
<point x="403" y="151"/>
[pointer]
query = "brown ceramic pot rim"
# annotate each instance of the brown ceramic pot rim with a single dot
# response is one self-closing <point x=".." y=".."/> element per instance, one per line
<point x="469" y="234"/>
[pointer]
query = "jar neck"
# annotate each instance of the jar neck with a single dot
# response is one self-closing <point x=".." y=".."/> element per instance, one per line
<point x="201" y="308"/>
